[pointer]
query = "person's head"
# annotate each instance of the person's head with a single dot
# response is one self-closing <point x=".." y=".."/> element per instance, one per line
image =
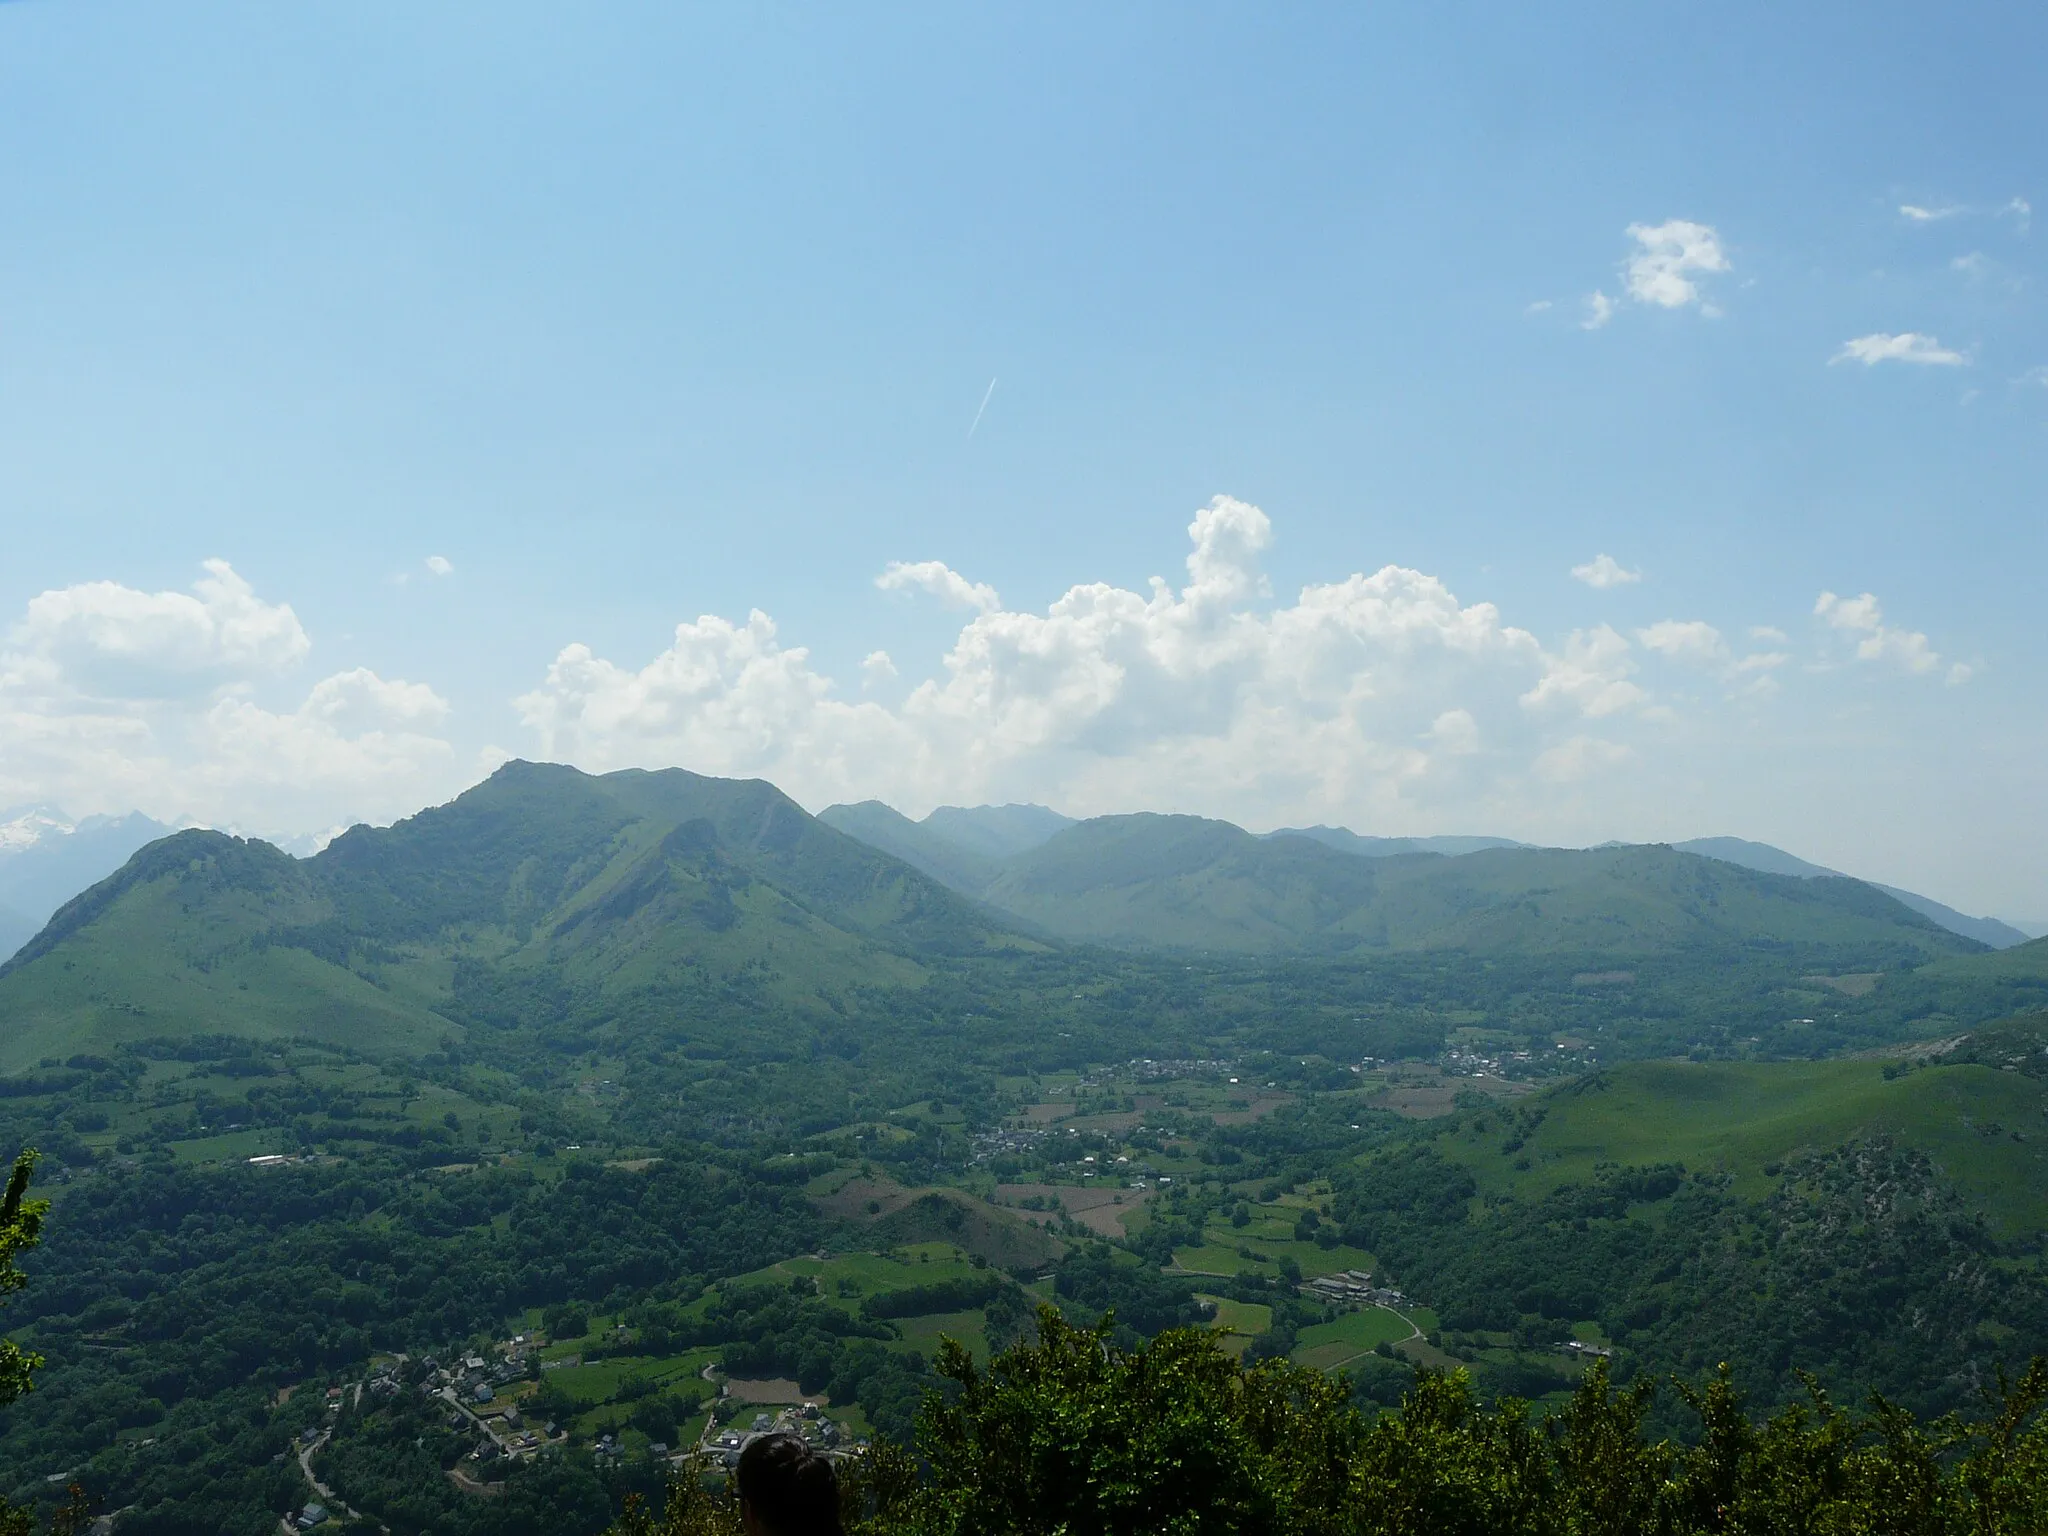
<point x="787" y="1489"/>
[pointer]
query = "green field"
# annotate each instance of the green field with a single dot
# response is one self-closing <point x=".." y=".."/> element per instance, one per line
<point x="601" y="1379"/>
<point x="234" y="1146"/>
<point x="1987" y="1129"/>
<point x="1250" y="1318"/>
<point x="1327" y="1346"/>
<point x="847" y="1279"/>
<point x="1220" y="1256"/>
<point x="924" y="1333"/>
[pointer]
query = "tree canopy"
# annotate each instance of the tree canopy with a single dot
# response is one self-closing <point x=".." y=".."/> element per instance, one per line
<point x="1071" y="1435"/>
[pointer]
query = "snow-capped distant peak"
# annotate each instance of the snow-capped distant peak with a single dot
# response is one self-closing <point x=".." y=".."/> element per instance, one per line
<point x="27" y="825"/>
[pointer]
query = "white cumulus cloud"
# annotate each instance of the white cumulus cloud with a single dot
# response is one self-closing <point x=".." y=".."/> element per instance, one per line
<point x="1591" y="672"/>
<point x="1667" y="260"/>
<point x="1358" y="693"/>
<point x="1381" y="699"/>
<point x="1456" y="732"/>
<point x="1905" y="347"/>
<point x="1692" y="640"/>
<point x="102" y="638"/>
<point x="439" y="565"/>
<point x="1861" y="619"/>
<point x="939" y="580"/>
<point x="113" y="698"/>
<point x="1604" y="571"/>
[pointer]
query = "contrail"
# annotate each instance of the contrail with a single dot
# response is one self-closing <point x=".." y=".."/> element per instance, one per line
<point x="984" y="406"/>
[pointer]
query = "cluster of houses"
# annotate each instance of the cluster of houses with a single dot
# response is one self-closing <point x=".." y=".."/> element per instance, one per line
<point x="1146" y="1070"/>
<point x="1571" y="1055"/>
<point x="1464" y="1063"/>
<point x="471" y="1386"/>
<point x="807" y="1420"/>
<point x="1014" y="1141"/>
<point x="1353" y="1287"/>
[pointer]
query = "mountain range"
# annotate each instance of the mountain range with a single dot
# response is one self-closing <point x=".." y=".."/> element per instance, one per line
<point x="553" y="901"/>
<point x="990" y="852"/>
<point x="541" y="892"/>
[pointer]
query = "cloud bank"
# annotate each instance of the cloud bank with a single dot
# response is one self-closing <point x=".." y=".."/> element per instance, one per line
<point x="113" y="698"/>
<point x="1383" y="700"/>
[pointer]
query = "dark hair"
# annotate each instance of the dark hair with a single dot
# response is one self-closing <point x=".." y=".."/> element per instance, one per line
<point x="789" y="1486"/>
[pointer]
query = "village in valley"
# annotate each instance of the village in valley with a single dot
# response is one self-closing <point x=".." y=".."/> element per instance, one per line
<point x="1103" y="1156"/>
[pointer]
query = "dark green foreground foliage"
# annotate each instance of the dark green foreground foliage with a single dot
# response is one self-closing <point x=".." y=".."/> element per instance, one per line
<point x="175" y="1302"/>
<point x="1862" y="1266"/>
<point x="21" y="1228"/>
<point x="1074" y="1436"/>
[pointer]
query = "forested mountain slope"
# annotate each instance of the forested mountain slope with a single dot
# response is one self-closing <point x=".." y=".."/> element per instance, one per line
<point x="963" y="846"/>
<point x="1877" y="1221"/>
<point x="537" y="889"/>
<point x="999" y="853"/>
<point x="963" y="869"/>
<point x="1775" y="861"/>
<point x="1188" y="883"/>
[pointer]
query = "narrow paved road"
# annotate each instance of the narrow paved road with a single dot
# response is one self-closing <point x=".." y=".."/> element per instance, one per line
<point x="321" y="1491"/>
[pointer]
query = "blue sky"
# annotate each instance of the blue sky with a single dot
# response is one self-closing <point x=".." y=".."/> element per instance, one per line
<point x="628" y="316"/>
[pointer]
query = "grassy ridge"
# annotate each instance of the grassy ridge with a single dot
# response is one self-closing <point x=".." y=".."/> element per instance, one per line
<point x="1986" y="1129"/>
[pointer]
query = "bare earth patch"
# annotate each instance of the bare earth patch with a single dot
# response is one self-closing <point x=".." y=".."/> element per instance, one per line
<point x="1262" y="1105"/>
<point x="1855" y="984"/>
<point x="1100" y="1208"/>
<point x="1424" y="1094"/>
<point x="763" y="1393"/>
<point x="851" y="1200"/>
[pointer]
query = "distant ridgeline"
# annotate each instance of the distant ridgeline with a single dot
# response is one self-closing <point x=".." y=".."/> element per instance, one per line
<point x="706" y="1084"/>
<point x="1186" y="882"/>
<point x="46" y="859"/>
<point x="562" y="908"/>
